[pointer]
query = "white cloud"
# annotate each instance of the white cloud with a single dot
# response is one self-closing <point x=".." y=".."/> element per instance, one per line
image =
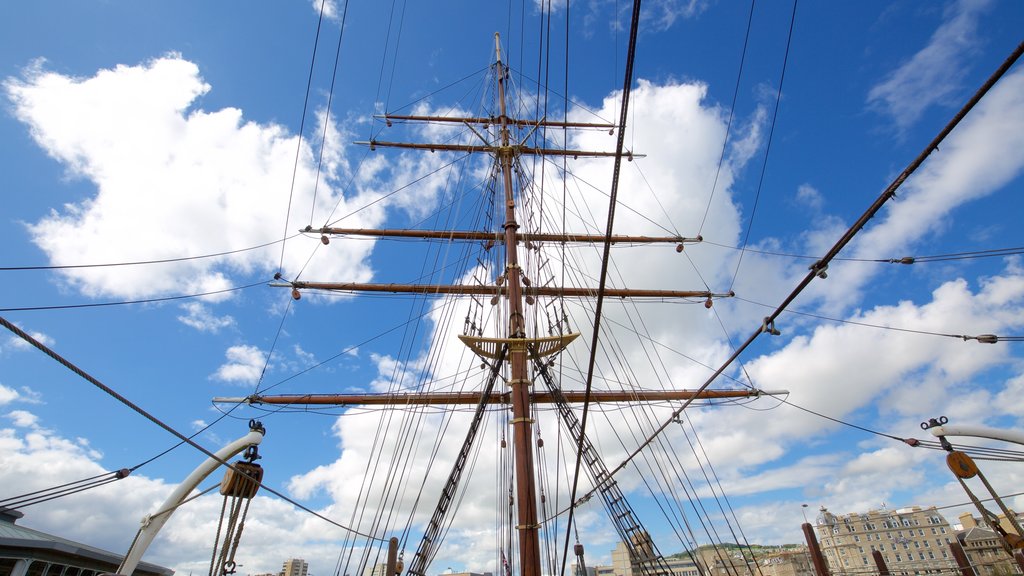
<point x="666" y="12"/>
<point x="7" y="395"/>
<point x="329" y="8"/>
<point x="23" y="419"/>
<point x="977" y="159"/>
<point x="18" y="343"/>
<point x="201" y="318"/>
<point x="108" y="516"/>
<point x="244" y="365"/>
<point x="218" y="183"/>
<point x="932" y="76"/>
<point x="305" y="359"/>
<point x="810" y="196"/>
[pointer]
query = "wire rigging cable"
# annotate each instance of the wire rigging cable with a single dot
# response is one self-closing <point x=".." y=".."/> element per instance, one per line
<point x="847" y="237"/>
<point x="111" y="392"/>
<point x="128" y="302"/>
<point x="732" y="113"/>
<point x="984" y="338"/>
<point x="327" y="117"/>
<point x="145" y="262"/>
<point x="626" y="87"/>
<point x="302" y="125"/>
<point x="768" y="146"/>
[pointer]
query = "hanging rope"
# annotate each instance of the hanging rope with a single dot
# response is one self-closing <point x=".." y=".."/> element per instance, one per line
<point x="238" y="487"/>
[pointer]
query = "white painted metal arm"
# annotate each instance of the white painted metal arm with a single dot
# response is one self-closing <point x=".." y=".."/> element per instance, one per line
<point x="1014" y="436"/>
<point x="152" y="523"/>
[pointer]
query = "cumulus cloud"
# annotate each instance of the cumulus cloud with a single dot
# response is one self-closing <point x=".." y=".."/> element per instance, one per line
<point x="809" y="196"/>
<point x="244" y="366"/>
<point x="23" y="419"/>
<point x="933" y="75"/>
<point x="7" y="395"/>
<point x="974" y="161"/>
<point x="18" y="343"/>
<point x="107" y="516"/>
<point x="219" y="183"/>
<point x="329" y="9"/>
<point x="199" y="316"/>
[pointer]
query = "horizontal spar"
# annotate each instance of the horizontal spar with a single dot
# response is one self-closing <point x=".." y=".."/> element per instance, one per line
<point x="514" y="148"/>
<point x="467" y="290"/>
<point x="500" y="236"/>
<point x="489" y="120"/>
<point x="450" y="398"/>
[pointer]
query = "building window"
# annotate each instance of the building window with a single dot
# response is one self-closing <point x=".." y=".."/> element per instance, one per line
<point x="942" y="529"/>
<point x="931" y="555"/>
<point x="898" y="557"/>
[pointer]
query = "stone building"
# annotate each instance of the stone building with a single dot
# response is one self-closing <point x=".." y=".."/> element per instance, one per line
<point x="984" y="546"/>
<point x="680" y="565"/>
<point x="718" y="561"/>
<point x="967" y="521"/>
<point x="912" y="540"/>
<point x="792" y="562"/>
<point x="295" y="567"/>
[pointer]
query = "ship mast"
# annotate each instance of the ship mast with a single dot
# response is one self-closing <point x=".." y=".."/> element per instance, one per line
<point x="522" y="429"/>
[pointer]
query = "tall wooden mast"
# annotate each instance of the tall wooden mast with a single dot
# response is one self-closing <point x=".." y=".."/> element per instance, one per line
<point x="522" y="429"/>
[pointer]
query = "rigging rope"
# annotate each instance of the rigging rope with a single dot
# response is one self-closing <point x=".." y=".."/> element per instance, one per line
<point x="111" y="392"/>
<point x="327" y="117"/>
<point x="626" y="87"/>
<point x="847" y="237"/>
<point x="768" y="147"/>
<point x="732" y="112"/>
<point x="302" y="124"/>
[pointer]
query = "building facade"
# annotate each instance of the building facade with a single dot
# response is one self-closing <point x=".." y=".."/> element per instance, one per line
<point x="912" y="540"/>
<point x="295" y="567"/>
<point x="794" y="562"/>
<point x="719" y="561"/>
<point x="680" y="565"/>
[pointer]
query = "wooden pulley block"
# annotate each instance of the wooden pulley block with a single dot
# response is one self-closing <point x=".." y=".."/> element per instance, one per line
<point x="961" y="465"/>
<point x="244" y="483"/>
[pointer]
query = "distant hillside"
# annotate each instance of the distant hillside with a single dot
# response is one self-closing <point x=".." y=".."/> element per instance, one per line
<point x="753" y="549"/>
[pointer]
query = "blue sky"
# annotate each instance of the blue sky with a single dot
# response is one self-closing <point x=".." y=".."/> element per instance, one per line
<point x="167" y="130"/>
